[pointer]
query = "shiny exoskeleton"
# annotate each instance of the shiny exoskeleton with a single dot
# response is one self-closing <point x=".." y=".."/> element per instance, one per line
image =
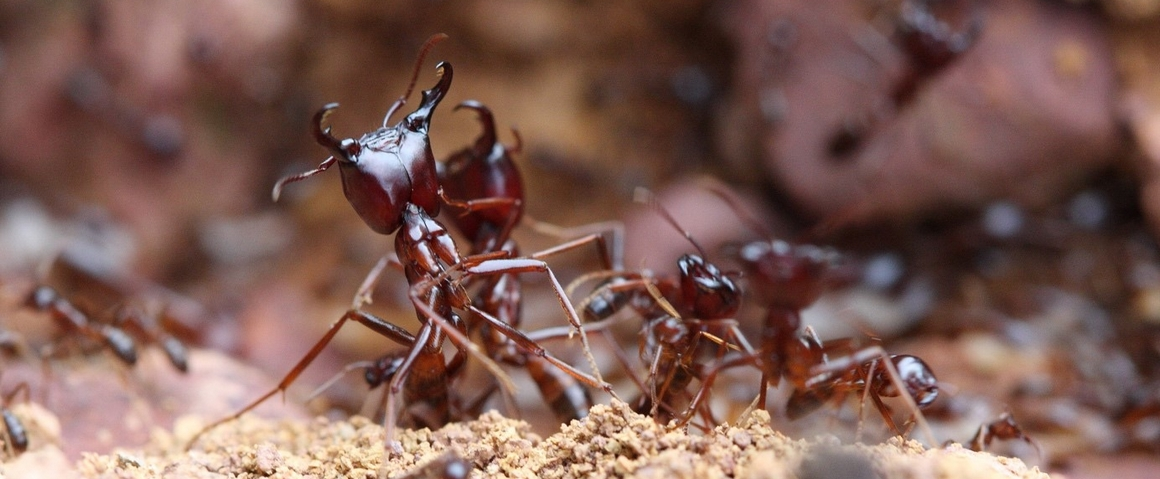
<point x="389" y="177"/>
<point x="1004" y="428"/>
<point x="486" y="201"/>
<point x="787" y="278"/>
<point x="679" y="314"/>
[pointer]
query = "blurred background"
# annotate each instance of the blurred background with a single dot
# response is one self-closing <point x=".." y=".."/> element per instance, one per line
<point x="1002" y="205"/>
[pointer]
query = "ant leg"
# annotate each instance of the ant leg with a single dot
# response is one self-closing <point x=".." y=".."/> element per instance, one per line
<point x="389" y="330"/>
<point x="396" y="386"/>
<point x="455" y="335"/>
<point x="363" y="295"/>
<point x="527" y="265"/>
<point x="531" y="347"/>
<point x="566" y="332"/>
<point x="710" y="378"/>
<point x="614" y="230"/>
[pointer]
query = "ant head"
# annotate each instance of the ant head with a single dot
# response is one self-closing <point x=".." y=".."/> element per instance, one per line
<point x="918" y="378"/>
<point x="788" y="275"/>
<point x="709" y="291"/>
<point x="383" y="369"/>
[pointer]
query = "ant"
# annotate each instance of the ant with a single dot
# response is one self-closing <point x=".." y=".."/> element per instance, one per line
<point x="788" y="278"/>
<point x="871" y="377"/>
<point x="930" y="46"/>
<point x="678" y="312"/>
<point x="389" y="178"/>
<point x="489" y="202"/>
<point x="1004" y="428"/>
<point x="70" y="319"/>
<point x="95" y="294"/>
<point x="15" y="435"/>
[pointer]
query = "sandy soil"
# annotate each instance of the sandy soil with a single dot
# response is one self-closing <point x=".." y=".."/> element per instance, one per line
<point x="612" y="442"/>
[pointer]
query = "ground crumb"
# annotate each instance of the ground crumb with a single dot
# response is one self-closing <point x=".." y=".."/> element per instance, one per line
<point x="612" y="442"/>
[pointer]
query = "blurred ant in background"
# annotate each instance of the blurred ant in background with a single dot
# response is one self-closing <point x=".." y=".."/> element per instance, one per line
<point x="786" y="278"/>
<point x="87" y="305"/>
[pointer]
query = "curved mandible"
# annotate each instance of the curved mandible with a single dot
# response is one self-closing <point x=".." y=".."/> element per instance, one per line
<point x="420" y="119"/>
<point x="486" y="141"/>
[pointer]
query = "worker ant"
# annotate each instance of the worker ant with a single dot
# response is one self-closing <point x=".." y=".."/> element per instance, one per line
<point x="101" y="308"/>
<point x="787" y="278"/>
<point x="389" y="178"/>
<point x="930" y="45"/>
<point x="678" y="312"/>
<point x="1004" y="428"/>
<point x="15" y="435"/>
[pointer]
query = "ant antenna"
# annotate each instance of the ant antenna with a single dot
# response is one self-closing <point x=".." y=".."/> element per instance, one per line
<point x="742" y="213"/>
<point x="643" y="195"/>
<point x="427" y="46"/>
<point x="326" y="164"/>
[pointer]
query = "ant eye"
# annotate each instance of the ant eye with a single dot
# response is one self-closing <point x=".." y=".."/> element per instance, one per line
<point x="350" y="149"/>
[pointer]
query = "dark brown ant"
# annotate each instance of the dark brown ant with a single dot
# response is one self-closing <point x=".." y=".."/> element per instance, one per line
<point x="96" y="305"/>
<point x="15" y="435"/>
<point x="788" y="278"/>
<point x="678" y="313"/>
<point x="1004" y="428"/>
<point x="389" y="177"/>
<point x="75" y="323"/>
<point x="930" y="45"/>
<point x="870" y="378"/>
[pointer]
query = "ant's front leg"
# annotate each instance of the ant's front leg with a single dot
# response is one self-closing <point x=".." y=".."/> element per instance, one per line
<point x="528" y="265"/>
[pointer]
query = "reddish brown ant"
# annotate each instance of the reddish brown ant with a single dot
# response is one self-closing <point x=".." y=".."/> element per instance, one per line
<point x="1004" y="428"/>
<point x="788" y="278"/>
<point x="488" y="202"/>
<point x="76" y="324"/>
<point x="678" y="312"/>
<point x="930" y="45"/>
<point x="389" y="177"/>
<point x="112" y="301"/>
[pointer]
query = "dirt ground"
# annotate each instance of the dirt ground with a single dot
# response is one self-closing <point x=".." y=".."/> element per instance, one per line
<point x="612" y="442"/>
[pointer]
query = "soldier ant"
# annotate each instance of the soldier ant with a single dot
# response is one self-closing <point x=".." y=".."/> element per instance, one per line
<point x="488" y="202"/>
<point x="389" y="178"/>
<point x="788" y="278"/>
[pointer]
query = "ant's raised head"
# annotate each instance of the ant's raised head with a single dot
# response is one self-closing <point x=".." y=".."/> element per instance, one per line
<point x="710" y="292"/>
<point x="387" y="168"/>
